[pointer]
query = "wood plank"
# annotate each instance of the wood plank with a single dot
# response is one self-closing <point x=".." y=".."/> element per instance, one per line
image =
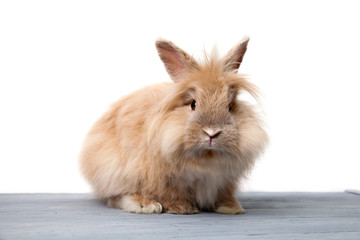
<point x="269" y="216"/>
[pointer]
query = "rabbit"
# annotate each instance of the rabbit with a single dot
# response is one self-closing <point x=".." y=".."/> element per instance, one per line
<point x="178" y="147"/>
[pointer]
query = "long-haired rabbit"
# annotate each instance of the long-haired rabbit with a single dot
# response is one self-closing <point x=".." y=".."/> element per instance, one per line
<point x="177" y="147"/>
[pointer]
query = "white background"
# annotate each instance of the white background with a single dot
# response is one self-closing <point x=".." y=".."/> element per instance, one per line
<point x="62" y="63"/>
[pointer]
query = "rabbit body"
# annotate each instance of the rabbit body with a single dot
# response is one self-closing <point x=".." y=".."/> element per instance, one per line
<point x="177" y="147"/>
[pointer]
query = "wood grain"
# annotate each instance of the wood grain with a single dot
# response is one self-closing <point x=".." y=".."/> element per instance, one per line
<point x="268" y="216"/>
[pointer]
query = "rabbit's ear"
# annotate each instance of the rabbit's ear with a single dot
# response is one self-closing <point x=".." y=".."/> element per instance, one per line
<point x="177" y="62"/>
<point x="235" y="56"/>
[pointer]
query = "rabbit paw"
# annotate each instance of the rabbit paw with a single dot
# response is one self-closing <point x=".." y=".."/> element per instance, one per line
<point x="236" y="209"/>
<point x="180" y="208"/>
<point x="136" y="204"/>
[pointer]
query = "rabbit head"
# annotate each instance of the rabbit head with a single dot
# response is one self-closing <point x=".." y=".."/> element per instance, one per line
<point x="201" y="117"/>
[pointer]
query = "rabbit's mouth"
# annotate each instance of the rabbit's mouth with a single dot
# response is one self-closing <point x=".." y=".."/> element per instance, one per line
<point x="208" y="140"/>
<point x="208" y="146"/>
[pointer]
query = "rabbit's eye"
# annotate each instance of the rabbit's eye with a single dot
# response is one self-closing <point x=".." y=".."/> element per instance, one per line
<point x="230" y="107"/>
<point x="193" y="105"/>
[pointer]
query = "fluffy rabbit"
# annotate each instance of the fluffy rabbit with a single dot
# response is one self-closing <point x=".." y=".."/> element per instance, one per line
<point x="177" y="147"/>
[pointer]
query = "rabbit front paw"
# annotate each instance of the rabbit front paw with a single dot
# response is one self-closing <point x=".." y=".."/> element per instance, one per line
<point x="180" y="207"/>
<point x="230" y="209"/>
<point x="135" y="203"/>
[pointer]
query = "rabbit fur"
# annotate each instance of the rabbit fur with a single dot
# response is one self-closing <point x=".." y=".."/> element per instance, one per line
<point x="177" y="147"/>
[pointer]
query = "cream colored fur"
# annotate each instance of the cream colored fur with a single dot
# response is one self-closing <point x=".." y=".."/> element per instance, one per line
<point x="151" y="152"/>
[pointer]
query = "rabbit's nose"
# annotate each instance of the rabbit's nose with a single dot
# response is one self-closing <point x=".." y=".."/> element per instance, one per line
<point x="211" y="132"/>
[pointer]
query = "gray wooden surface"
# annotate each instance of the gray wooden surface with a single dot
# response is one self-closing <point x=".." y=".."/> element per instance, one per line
<point x="269" y="216"/>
